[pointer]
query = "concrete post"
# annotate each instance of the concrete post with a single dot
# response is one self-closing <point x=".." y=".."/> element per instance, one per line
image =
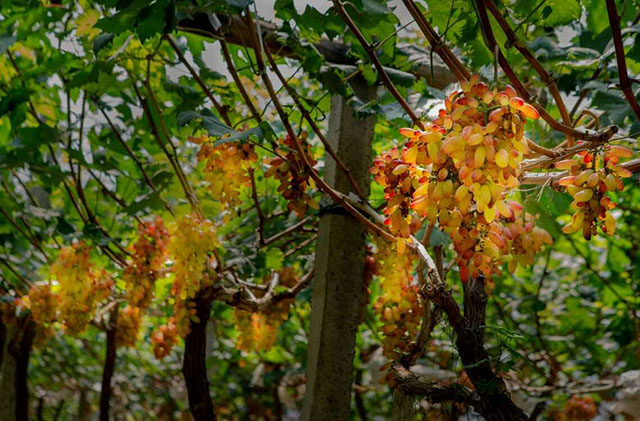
<point x="339" y="263"/>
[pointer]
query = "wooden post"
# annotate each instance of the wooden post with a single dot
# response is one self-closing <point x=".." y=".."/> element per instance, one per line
<point x="339" y="263"/>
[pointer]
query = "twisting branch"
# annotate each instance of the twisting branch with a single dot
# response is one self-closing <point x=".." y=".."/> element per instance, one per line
<point x="409" y="384"/>
<point x="513" y="39"/>
<point x="320" y="182"/>
<point x="625" y="83"/>
<point x="371" y="52"/>
<point x="176" y="167"/>
<point x="256" y="203"/>
<point x="223" y="113"/>
<point x="313" y="124"/>
<point x="437" y="45"/>
<point x="131" y="154"/>
<point x="490" y="40"/>
<point x="236" y="78"/>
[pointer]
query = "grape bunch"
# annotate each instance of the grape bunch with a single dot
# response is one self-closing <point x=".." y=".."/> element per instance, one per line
<point x="128" y="326"/>
<point x="592" y="174"/>
<point x="42" y="302"/>
<point x="289" y="169"/>
<point x="192" y="244"/>
<point x="226" y="168"/>
<point x="164" y="339"/>
<point x="458" y="171"/>
<point x="148" y="255"/>
<point x="257" y="331"/>
<point x="80" y="286"/>
<point x="576" y="409"/>
<point x="398" y="306"/>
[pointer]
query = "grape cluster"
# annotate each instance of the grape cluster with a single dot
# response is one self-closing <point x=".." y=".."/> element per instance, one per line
<point x="148" y="255"/>
<point x="164" y="339"/>
<point x="591" y="176"/>
<point x="458" y="171"/>
<point x="80" y="286"/>
<point x="192" y="243"/>
<point x="257" y="331"/>
<point x="226" y="168"/>
<point x="128" y="326"/>
<point x="294" y="178"/>
<point x="43" y="303"/>
<point x="576" y="409"/>
<point x="398" y="306"/>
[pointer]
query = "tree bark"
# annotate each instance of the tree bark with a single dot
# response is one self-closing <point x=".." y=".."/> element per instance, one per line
<point x="495" y="402"/>
<point x="21" y="353"/>
<point x="194" y="367"/>
<point x="338" y="283"/>
<point x="109" y="366"/>
<point x="7" y="373"/>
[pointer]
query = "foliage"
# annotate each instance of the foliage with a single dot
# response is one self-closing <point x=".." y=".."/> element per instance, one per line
<point x="139" y="175"/>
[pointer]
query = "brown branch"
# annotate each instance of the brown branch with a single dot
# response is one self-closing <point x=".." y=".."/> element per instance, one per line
<point x="437" y="45"/>
<point x="548" y="80"/>
<point x="490" y="40"/>
<point x="409" y="384"/>
<point x="124" y="144"/>
<point x="236" y="78"/>
<point x="198" y="80"/>
<point x="371" y="52"/>
<point x="552" y="179"/>
<point x="313" y="125"/>
<point x="176" y="167"/>
<point x="234" y="30"/>
<point x="320" y="182"/>
<point x="256" y="203"/>
<point x="625" y="83"/>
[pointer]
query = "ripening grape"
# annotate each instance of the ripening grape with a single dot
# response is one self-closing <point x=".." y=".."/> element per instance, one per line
<point x="80" y="286"/>
<point x="258" y="330"/>
<point x="148" y="255"/>
<point x="293" y="175"/>
<point x="42" y="302"/>
<point x="576" y="409"/>
<point x="458" y="171"/>
<point x="398" y="306"/>
<point x="226" y="168"/>
<point x="193" y="242"/>
<point x="591" y="176"/>
<point x="128" y="326"/>
<point x="164" y="339"/>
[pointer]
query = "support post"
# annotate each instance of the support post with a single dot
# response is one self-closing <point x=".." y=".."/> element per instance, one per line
<point x="339" y="263"/>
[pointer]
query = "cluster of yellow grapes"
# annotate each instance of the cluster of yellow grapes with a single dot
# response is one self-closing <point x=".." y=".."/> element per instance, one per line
<point x="398" y="306"/>
<point x="591" y="176"/>
<point x="148" y="255"/>
<point x="458" y="171"/>
<point x="80" y="286"/>
<point x="226" y="168"/>
<point x="294" y="179"/>
<point x="164" y="339"/>
<point x="43" y="304"/>
<point x="128" y="325"/>
<point x="258" y="330"/>
<point x="192" y="243"/>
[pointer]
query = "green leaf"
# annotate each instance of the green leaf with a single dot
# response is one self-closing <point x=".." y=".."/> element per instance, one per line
<point x="273" y="259"/>
<point x="6" y="41"/>
<point x="102" y="41"/>
<point x="562" y="12"/>
<point x="239" y="3"/>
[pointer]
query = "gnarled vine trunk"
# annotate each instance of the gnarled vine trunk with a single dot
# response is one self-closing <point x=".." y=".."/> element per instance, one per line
<point x="194" y="366"/>
<point x="17" y="342"/>
<point x="109" y="366"/>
